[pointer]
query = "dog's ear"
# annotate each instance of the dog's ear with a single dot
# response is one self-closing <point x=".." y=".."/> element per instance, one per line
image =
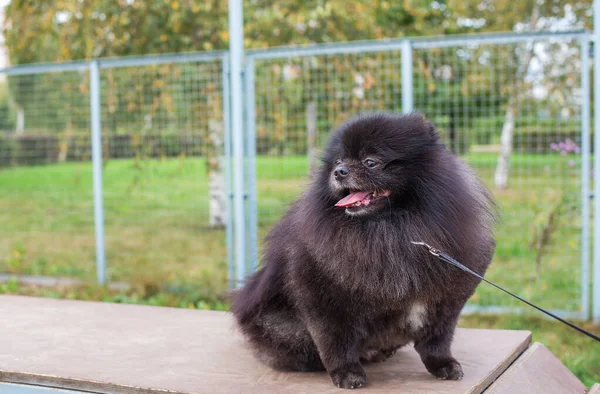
<point x="419" y="121"/>
<point x="431" y="130"/>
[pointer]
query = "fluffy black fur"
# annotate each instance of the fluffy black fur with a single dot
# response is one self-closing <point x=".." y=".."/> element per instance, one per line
<point x="344" y="286"/>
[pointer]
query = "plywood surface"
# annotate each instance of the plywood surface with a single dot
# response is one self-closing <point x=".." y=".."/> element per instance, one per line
<point x="102" y="347"/>
<point x="537" y="371"/>
<point x="595" y="389"/>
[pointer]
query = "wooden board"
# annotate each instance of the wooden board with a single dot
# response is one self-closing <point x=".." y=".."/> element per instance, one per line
<point x="103" y="347"/>
<point x="16" y="388"/>
<point x="537" y="371"/>
<point x="595" y="389"/>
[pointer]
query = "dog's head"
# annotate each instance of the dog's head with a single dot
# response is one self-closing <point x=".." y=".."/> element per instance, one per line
<point x="371" y="161"/>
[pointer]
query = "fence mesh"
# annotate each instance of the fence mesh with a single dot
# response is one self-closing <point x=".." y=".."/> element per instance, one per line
<point x="46" y="198"/>
<point x="164" y="188"/>
<point x="163" y="177"/>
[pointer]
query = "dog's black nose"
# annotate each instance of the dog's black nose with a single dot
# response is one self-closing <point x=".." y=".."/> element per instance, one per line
<point x="340" y="172"/>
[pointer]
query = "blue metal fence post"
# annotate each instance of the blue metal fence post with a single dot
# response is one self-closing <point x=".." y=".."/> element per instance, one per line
<point x="407" y="77"/>
<point x="236" y="58"/>
<point x="96" y="129"/>
<point x="585" y="174"/>
<point x="251" y="164"/>
<point x="596" y="268"/>
<point x="227" y="154"/>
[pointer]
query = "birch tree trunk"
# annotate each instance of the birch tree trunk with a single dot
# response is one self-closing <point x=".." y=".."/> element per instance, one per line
<point x="63" y="147"/>
<point x="311" y="136"/>
<point x="20" y="126"/>
<point x="506" y="138"/>
<point x="501" y="175"/>
<point x="216" y="177"/>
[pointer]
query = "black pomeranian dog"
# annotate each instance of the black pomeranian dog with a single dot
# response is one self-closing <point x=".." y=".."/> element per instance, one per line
<point x="342" y="284"/>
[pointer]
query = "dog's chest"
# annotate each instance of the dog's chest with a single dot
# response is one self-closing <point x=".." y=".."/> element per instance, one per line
<point x="400" y="327"/>
<point x="416" y="316"/>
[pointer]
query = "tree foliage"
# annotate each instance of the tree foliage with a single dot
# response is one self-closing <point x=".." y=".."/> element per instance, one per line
<point x="62" y="30"/>
<point x="447" y="83"/>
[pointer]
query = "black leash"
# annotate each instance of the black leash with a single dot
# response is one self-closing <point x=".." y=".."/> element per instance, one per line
<point x="444" y="257"/>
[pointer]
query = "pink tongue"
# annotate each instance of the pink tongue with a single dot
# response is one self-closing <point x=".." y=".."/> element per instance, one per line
<point x="351" y="199"/>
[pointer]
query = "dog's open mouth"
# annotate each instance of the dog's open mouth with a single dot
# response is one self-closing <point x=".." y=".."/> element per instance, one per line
<point x="358" y="198"/>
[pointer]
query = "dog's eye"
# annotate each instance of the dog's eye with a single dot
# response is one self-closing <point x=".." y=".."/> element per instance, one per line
<point x="370" y="163"/>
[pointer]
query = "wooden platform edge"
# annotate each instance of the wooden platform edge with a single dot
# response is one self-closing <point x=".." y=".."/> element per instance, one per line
<point x="78" y="385"/>
<point x="595" y="389"/>
<point x="494" y="374"/>
<point x="536" y="371"/>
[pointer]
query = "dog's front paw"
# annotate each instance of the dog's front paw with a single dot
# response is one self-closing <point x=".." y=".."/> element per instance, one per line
<point x="350" y="376"/>
<point x="450" y="370"/>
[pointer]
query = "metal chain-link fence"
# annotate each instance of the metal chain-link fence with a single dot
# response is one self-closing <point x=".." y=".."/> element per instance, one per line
<point x="514" y="106"/>
<point x="163" y="206"/>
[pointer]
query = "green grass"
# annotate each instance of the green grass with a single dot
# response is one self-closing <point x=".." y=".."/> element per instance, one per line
<point x="158" y="238"/>
<point x="157" y="223"/>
